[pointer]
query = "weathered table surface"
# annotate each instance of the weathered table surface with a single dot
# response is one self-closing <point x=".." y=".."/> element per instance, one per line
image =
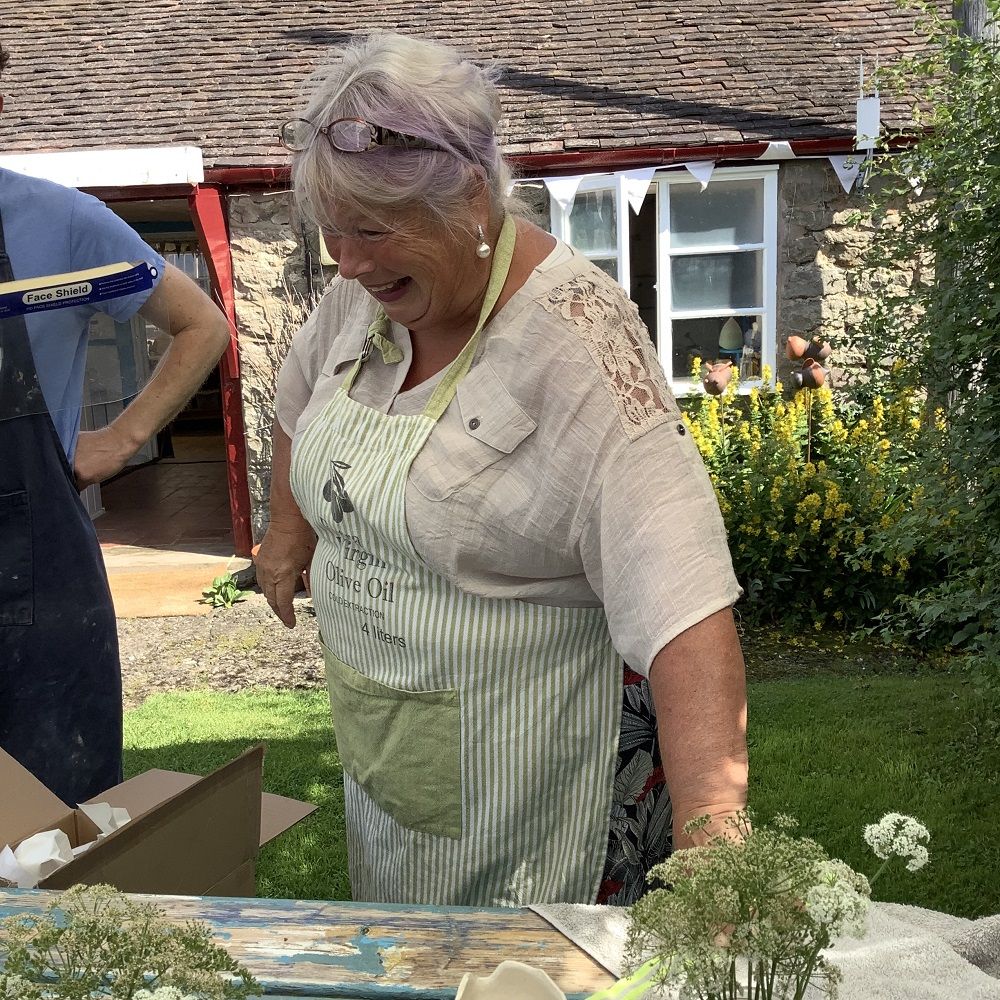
<point x="357" y="951"/>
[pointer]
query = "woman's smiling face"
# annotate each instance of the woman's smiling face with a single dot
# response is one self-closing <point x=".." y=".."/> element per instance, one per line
<point x="424" y="280"/>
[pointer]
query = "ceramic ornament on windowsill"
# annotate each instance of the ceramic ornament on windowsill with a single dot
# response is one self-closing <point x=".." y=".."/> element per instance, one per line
<point x="731" y="339"/>
<point x="716" y="377"/>
<point x="750" y="357"/>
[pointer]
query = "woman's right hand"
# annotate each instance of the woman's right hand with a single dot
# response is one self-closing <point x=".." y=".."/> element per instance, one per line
<point x="284" y="554"/>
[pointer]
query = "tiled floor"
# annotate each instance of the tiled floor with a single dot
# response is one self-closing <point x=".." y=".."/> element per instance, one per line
<point x="166" y="533"/>
<point x="168" y="507"/>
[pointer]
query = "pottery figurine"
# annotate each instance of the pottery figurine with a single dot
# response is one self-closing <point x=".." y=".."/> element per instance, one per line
<point x="810" y="376"/>
<point x="799" y="347"/>
<point x="716" y="377"/>
<point x="730" y="336"/>
<point x="507" y="981"/>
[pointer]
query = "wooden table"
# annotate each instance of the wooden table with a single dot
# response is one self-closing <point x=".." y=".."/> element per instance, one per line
<point x="356" y="951"/>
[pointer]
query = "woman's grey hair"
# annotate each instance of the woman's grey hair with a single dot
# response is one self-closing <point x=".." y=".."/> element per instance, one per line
<point x="423" y="89"/>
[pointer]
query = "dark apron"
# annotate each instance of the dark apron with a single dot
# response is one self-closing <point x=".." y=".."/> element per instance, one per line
<point x="60" y="679"/>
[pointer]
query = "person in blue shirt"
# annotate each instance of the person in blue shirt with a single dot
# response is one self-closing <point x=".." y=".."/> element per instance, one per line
<point x="60" y="677"/>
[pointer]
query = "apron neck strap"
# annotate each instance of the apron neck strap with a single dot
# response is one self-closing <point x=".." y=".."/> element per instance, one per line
<point x="459" y="368"/>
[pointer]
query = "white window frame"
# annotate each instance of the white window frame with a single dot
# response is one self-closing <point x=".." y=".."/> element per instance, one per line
<point x="562" y="229"/>
<point x="769" y="268"/>
<point x="660" y="187"/>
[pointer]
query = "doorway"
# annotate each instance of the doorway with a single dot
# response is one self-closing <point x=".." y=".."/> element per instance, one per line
<point x="172" y="500"/>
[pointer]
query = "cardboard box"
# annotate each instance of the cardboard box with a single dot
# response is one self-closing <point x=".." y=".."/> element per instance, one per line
<point x="188" y="835"/>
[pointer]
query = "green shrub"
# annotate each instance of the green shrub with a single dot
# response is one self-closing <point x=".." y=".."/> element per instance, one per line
<point x="811" y="490"/>
<point x="942" y="327"/>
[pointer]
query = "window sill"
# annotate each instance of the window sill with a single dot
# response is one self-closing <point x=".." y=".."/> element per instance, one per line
<point x="683" y="388"/>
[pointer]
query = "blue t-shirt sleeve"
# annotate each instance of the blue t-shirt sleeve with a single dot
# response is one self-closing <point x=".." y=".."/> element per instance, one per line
<point x="98" y="238"/>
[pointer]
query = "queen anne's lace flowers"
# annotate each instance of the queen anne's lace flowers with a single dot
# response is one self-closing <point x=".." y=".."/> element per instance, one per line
<point x="839" y="900"/>
<point x="93" y="941"/>
<point x="164" y="993"/>
<point x="755" y="913"/>
<point x="899" y="836"/>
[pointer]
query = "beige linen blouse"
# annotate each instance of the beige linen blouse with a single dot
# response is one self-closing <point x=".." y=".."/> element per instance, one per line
<point x="562" y="473"/>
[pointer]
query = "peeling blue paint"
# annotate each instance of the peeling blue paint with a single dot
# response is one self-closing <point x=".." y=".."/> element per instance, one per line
<point x="366" y="960"/>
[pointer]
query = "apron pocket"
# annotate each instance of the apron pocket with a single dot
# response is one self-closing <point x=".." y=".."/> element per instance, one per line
<point x="402" y="747"/>
<point x="16" y="584"/>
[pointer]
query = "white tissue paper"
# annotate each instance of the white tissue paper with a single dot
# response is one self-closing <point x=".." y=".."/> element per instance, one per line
<point x="106" y="818"/>
<point x="37" y="857"/>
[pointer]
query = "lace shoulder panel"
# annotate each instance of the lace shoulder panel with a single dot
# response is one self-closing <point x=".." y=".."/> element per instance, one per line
<point x="608" y="324"/>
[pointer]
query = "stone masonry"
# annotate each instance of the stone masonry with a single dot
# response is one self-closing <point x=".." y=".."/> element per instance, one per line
<point x="275" y="282"/>
<point x="822" y="236"/>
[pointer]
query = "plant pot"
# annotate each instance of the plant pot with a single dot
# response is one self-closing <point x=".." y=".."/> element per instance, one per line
<point x="815" y="349"/>
<point x="510" y="980"/>
<point x="717" y="377"/>
<point x="810" y="376"/>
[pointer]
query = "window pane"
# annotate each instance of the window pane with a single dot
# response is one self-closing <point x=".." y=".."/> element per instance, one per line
<point x="726" y="212"/>
<point x="706" y="339"/>
<point x="717" y="281"/>
<point x="609" y="265"/>
<point x="593" y="225"/>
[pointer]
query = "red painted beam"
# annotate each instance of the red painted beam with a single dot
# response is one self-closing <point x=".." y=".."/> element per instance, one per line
<point x="208" y="212"/>
<point x="593" y="160"/>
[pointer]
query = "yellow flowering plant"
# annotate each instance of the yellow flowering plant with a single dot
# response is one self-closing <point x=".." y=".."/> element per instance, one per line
<point x="810" y="489"/>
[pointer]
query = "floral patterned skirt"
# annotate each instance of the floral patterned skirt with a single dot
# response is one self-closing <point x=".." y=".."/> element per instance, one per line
<point x="640" y="831"/>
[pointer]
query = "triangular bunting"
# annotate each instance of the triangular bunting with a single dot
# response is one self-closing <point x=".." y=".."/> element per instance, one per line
<point x="847" y="167"/>
<point x="563" y="190"/>
<point x="701" y="171"/>
<point x="636" y="185"/>
<point x="778" y="151"/>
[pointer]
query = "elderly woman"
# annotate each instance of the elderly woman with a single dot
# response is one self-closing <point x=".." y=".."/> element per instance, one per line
<point x="477" y="455"/>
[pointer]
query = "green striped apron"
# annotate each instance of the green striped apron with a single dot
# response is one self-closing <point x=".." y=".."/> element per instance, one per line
<point x="478" y="736"/>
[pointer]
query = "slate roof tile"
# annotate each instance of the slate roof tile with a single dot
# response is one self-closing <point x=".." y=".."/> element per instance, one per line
<point x="578" y="74"/>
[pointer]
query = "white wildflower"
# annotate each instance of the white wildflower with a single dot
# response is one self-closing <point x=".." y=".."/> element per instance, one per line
<point x="838" y="908"/>
<point x="833" y="871"/>
<point x="899" y="836"/>
<point x="164" y="993"/>
<point x="15" y="988"/>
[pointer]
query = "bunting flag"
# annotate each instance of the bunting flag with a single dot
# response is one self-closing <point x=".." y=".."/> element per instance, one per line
<point x="701" y="171"/>
<point x="847" y="167"/>
<point x="636" y="183"/>
<point x="778" y="151"/>
<point x="563" y="190"/>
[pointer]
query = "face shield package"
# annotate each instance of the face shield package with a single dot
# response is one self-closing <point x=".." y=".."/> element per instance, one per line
<point x="74" y="343"/>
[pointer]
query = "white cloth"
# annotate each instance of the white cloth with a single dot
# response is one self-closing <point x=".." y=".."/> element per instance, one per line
<point x="561" y="475"/>
<point x="909" y="953"/>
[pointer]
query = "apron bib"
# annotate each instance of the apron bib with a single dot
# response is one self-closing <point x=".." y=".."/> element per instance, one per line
<point x="478" y="736"/>
<point x="60" y="680"/>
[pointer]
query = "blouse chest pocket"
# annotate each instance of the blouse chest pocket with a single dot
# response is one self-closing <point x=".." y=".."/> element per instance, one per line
<point x="492" y="426"/>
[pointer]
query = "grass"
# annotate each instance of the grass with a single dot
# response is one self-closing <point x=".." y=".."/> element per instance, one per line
<point x="836" y="751"/>
<point x="199" y="732"/>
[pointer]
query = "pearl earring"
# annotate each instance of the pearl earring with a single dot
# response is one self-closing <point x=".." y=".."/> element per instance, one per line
<point x="483" y="250"/>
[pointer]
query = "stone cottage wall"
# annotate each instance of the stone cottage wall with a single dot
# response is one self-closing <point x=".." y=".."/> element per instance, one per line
<point x="821" y="241"/>
<point x="276" y="276"/>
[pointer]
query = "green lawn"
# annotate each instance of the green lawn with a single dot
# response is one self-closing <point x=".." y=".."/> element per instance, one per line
<point x="835" y="751"/>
